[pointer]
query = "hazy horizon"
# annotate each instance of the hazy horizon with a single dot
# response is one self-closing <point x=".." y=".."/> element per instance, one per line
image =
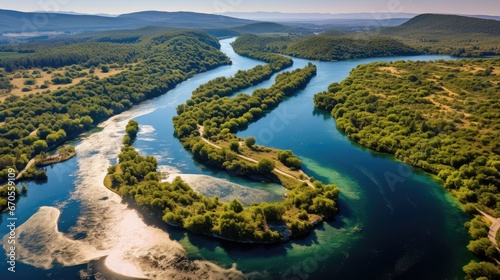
<point x="115" y="7"/>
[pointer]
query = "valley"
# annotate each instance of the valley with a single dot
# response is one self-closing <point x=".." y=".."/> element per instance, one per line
<point x="376" y="152"/>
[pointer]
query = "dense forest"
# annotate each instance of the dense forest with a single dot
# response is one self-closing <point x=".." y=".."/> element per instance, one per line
<point x="36" y="123"/>
<point x="331" y="49"/>
<point x="447" y="34"/>
<point x="424" y="34"/>
<point x="440" y="116"/>
<point x="64" y="52"/>
<point x="326" y="48"/>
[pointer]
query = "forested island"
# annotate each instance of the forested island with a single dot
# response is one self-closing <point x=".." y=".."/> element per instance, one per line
<point x="439" y="116"/>
<point x="136" y="179"/>
<point x="206" y="125"/>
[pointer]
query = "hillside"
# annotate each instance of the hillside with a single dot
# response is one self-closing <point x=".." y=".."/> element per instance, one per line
<point x="333" y="33"/>
<point x="449" y="24"/>
<point x="268" y="27"/>
<point x="447" y="34"/>
<point x="16" y="22"/>
<point x="185" y="19"/>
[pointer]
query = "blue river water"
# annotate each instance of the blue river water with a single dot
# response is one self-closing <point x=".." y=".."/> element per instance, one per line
<point x="396" y="222"/>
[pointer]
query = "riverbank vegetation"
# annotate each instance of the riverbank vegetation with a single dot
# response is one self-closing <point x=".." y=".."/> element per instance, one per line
<point x="135" y="178"/>
<point x="439" y="116"/>
<point x="205" y="125"/>
<point x="325" y="48"/>
<point x="64" y="153"/>
<point x="5" y="194"/>
<point x="425" y="34"/>
<point x="39" y="122"/>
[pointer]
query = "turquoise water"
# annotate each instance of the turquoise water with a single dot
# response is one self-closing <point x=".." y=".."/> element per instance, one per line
<point x="395" y="222"/>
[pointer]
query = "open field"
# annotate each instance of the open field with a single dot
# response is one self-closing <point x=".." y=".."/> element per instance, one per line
<point x="33" y="81"/>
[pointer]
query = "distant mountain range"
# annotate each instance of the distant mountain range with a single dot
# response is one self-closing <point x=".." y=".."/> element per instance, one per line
<point x="15" y="22"/>
<point x="308" y="17"/>
<point x="319" y="17"/>
<point x="228" y="24"/>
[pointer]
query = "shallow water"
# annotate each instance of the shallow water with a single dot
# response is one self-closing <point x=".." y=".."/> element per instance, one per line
<point x="395" y="222"/>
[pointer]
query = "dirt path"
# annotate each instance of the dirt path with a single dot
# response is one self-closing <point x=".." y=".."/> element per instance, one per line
<point x="449" y="91"/>
<point x="48" y="161"/>
<point x="30" y="163"/>
<point x="279" y="171"/>
<point x="495" y="225"/>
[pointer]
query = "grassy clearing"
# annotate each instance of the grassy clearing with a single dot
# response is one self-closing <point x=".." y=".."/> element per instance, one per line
<point x="19" y="79"/>
<point x="257" y="153"/>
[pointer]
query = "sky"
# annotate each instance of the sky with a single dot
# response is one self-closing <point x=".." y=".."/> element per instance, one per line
<point x="483" y="7"/>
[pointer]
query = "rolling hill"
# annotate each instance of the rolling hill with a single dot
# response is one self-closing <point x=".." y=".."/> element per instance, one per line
<point x="449" y="24"/>
<point x="447" y="34"/>
<point x="17" y="22"/>
<point x="269" y="27"/>
<point x="186" y="19"/>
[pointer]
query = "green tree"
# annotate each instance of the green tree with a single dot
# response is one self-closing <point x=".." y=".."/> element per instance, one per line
<point x="131" y="129"/>
<point x="283" y="155"/>
<point x="475" y="270"/>
<point x="234" y="146"/>
<point x="39" y="146"/>
<point x="265" y="165"/>
<point x="236" y="206"/>
<point x="250" y="141"/>
<point x="479" y="246"/>
<point x="201" y="224"/>
<point x="293" y="162"/>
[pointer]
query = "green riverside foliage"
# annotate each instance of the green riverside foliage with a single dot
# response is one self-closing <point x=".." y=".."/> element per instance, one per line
<point x="326" y="48"/>
<point x="131" y="129"/>
<point x="62" y="114"/>
<point x="289" y="159"/>
<point x="221" y="117"/>
<point x="135" y="178"/>
<point x="482" y="271"/>
<point x="4" y="194"/>
<point x="250" y="141"/>
<point x="440" y="116"/>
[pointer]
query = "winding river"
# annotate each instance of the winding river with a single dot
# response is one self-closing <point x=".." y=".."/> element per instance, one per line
<point x="395" y="222"/>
